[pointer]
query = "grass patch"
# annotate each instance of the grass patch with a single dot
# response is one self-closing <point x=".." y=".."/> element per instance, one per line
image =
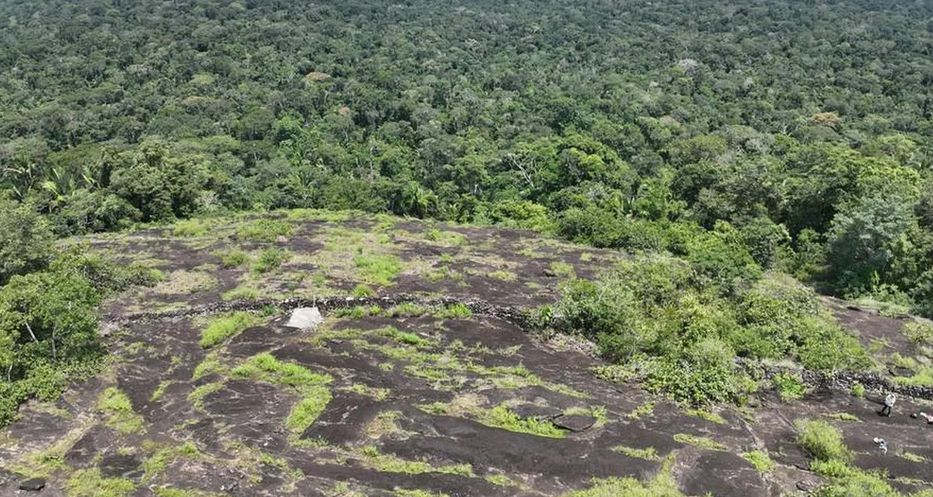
<point x="697" y="441"/>
<point x="264" y="230"/>
<point x="223" y="327"/>
<point x="648" y="453"/>
<point x="315" y="394"/>
<point x="455" y="311"/>
<point x="191" y="227"/>
<point x="210" y="365"/>
<point x="392" y="464"/>
<point x="788" y="386"/>
<point x="641" y="411"/>
<point x="90" y="483"/>
<point x="196" y="397"/>
<point x="844" y="416"/>
<point x="183" y="492"/>
<point x="822" y="441"/>
<point x="119" y="412"/>
<point x="910" y="456"/>
<point x="270" y="260"/>
<point x="232" y="258"/>
<point x="362" y="291"/>
<point x="760" y="460"/>
<point x="562" y="269"/>
<point x="503" y="417"/>
<point x="663" y="485"/>
<point x="378" y="269"/>
<point x="503" y="275"/>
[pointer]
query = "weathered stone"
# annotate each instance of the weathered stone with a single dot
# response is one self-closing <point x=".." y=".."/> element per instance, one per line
<point x="805" y="486"/>
<point x="305" y="318"/>
<point x="575" y="422"/>
<point x="527" y="411"/>
<point x="32" y="484"/>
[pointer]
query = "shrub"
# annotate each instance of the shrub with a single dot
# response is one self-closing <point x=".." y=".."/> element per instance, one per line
<point x="822" y="441"/>
<point x="233" y="258"/>
<point x="788" y="386"/>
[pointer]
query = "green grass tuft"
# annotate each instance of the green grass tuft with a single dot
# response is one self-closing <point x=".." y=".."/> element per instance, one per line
<point x="378" y="269"/>
<point x="90" y="483"/>
<point x="119" y="411"/>
<point x="223" y="327"/>
<point x="760" y="460"/>
<point x="701" y="442"/>
<point x="265" y="230"/>
<point x="504" y="418"/>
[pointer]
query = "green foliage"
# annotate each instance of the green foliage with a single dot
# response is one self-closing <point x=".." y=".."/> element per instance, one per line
<point x="25" y="240"/>
<point x="663" y="485"/>
<point x="90" y="483"/>
<point x="701" y="442"/>
<point x="223" y="327"/>
<point x="233" y="258"/>
<point x="191" y="227"/>
<point x="858" y="390"/>
<point x="48" y="325"/>
<point x="312" y="387"/>
<point x="119" y="412"/>
<point x="788" y="386"/>
<point x="378" y="269"/>
<point x="503" y="417"/>
<point x="760" y="460"/>
<point x="264" y="230"/>
<point x="682" y="334"/>
<point x="270" y="260"/>
<point x="822" y="441"/>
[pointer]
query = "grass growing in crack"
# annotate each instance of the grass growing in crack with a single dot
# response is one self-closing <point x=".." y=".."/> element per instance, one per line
<point x="417" y="492"/>
<point x="642" y="410"/>
<point x="844" y="416"/>
<point x="454" y="311"/>
<point x="648" y="453"/>
<point x="405" y="337"/>
<point x="264" y="230"/>
<point x="315" y="394"/>
<point x="503" y="417"/>
<point x="90" y="483"/>
<point x="760" y="460"/>
<point x="183" y="492"/>
<point x="210" y="365"/>
<point x="155" y="464"/>
<point x="196" y="397"/>
<point x="701" y="442"/>
<point x="119" y="411"/>
<point x="160" y="390"/>
<point x="390" y="463"/>
<point x="378" y="269"/>
<point x="223" y="327"/>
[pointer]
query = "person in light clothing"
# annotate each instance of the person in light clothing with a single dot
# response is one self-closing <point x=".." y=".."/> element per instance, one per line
<point x="889" y="401"/>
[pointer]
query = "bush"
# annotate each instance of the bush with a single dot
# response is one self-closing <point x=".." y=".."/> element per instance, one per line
<point x="788" y="386"/>
<point x="822" y="441"/>
<point x="25" y="241"/>
<point x="48" y="325"/>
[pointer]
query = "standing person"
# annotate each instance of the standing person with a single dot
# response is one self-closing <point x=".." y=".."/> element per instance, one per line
<point x="889" y="401"/>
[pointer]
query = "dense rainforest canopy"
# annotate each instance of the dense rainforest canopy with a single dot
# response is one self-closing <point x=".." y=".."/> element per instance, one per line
<point x="741" y="137"/>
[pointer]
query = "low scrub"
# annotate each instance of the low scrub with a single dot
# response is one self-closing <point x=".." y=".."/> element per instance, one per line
<point x="681" y="332"/>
